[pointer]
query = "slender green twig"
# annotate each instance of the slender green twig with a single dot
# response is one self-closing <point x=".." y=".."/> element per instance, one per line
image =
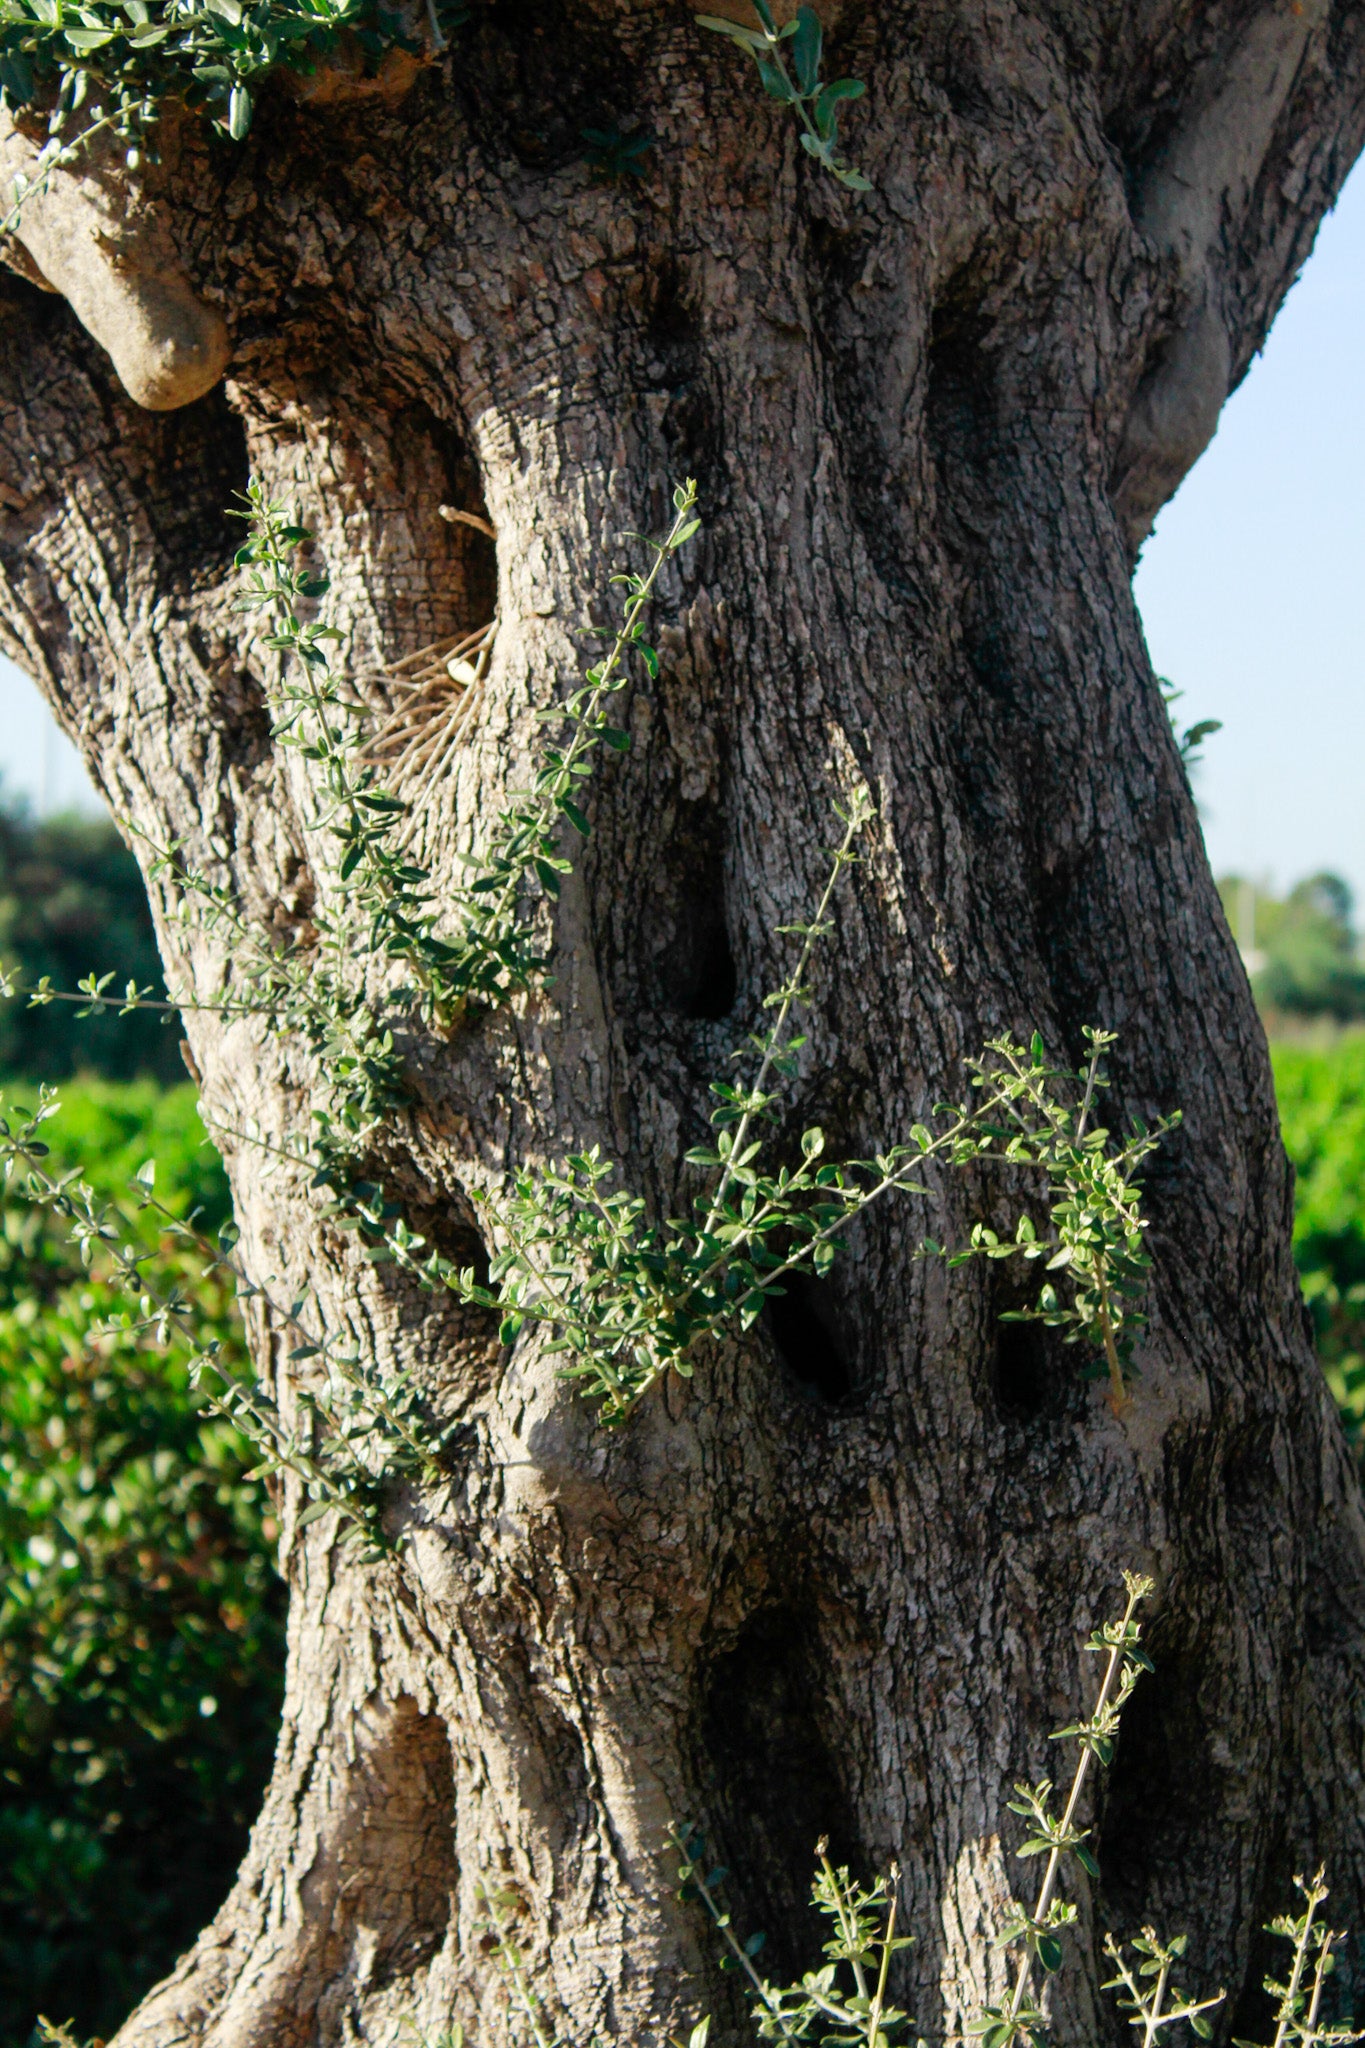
<point x="818" y="105"/>
<point x="511" y="1963"/>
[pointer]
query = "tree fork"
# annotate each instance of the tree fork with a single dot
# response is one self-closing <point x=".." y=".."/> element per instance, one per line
<point x="837" y="1585"/>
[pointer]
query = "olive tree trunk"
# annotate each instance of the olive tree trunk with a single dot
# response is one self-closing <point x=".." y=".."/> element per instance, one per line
<point x="838" y="1584"/>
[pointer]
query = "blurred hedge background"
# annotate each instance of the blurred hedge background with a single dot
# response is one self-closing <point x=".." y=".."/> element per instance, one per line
<point x="141" y="1620"/>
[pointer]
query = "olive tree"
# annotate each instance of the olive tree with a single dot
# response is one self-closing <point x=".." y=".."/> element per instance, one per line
<point x="836" y="1582"/>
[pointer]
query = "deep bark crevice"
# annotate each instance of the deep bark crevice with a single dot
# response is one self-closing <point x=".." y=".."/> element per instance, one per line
<point x="675" y="361"/>
<point x="774" y="1789"/>
<point x="806" y="1329"/>
<point x="1024" y="1370"/>
<point x="693" y="964"/>
<point x="1175" y="1820"/>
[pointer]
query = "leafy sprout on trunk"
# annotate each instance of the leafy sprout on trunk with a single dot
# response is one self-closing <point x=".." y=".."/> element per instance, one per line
<point x="1034" y="1933"/>
<point x="620" y="1299"/>
<point x="847" y="2000"/>
<point x="120" y="62"/>
<point x="625" y="1301"/>
<point x="1299" y="2018"/>
<point x="798" y="84"/>
<point x="1148" y="1993"/>
<point x="1099" y="1231"/>
<point x="849" y="1992"/>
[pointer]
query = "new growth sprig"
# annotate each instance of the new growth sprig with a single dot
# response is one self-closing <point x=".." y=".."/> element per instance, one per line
<point x="620" y="1299"/>
<point x="1299" y="2018"/>
<point x="501" y="1906"/>
<point x="818" y="104"/>
<point x="1098" y="1233"/>
<point x="849" y="1993"/>
<point x="825" y="2005"/>
<point x="493" y="954"/>
<point x="488" y="952"/>
<point x="1035" y="1932"/>
<point x="624" y="1300"/>
<point x="375" y="911"/>
<point x="485" y="950"/>
<point x="357" y="1427"/>
<point x="1146" y="1991"/>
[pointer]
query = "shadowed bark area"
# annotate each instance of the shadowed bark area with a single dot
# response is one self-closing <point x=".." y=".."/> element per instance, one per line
<point x="839" y="1580"/>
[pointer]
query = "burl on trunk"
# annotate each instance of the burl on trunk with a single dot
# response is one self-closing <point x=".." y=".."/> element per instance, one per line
<point x="837" y="1583"/>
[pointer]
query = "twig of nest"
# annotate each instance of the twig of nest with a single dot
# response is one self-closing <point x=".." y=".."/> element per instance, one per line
<point x="454" y="517"/>
<point x="435" y="695"/>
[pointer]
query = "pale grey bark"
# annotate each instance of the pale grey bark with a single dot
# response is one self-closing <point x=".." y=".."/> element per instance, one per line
<point x="840" y="1591"/>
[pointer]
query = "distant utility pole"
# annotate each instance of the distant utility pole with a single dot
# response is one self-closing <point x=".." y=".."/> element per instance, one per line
<point x="1252" y="959"/>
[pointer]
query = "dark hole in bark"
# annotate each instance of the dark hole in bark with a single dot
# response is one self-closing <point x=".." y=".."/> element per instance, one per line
<point x="775" y="1788"/>
<point x="705" y="983"/>
<point x="434" y="467"/>
<point x="451" y="1229"/>
<point x="1021" y="1368"/>
<point x="194" y="466"/>
<point x="695" y="968"/>
<point x="1033" y="1374"/>
<point x="532" y="91"/>
<point x="672" y="328"/>
<point x="471" y="1343"/>
<point x="959" y="382"/>
<point x="805" y="1330"/>
<point x="23" y="303"/>
<point x="678" y="365"/>
<point x="1249" y="1474"/>
<point x="451" y="1232"/>
<point x="1173" y="1824"/>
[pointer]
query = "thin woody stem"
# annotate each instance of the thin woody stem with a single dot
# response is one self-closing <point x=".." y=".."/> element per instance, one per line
<point x="1049" y="1883"/>
<point x="584" y="721"/>
<point x="1315" y="1895"/>
<point x="874" y="2022"/>
<point x="1118" y="1392"/>
<point x="790" y="994"/>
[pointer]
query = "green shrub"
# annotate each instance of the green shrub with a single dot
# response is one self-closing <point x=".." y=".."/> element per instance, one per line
<point x="1321" y="1091"/>
<point x="140" y="1620"/>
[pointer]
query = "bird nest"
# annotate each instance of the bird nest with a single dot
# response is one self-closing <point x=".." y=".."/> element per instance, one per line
<point x="433" y="700"/>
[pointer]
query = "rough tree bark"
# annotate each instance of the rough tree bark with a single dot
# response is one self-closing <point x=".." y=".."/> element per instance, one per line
<point x="840" y="1582"/>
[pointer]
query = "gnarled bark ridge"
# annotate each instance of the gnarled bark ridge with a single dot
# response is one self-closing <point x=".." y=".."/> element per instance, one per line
<point x="838" y="1583"/>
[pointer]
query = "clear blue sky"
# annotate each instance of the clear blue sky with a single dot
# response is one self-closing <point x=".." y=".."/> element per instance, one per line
<point x="1252" y="590"/>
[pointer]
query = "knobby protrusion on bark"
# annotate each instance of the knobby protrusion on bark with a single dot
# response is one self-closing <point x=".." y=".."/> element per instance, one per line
<point x="93" y="237"/>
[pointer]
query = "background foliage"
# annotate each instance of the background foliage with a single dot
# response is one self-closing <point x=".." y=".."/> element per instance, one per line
<point x="71" y="898"/>
<point x="1304" y="957"/>
<point x="1321" y="1090"/>
<point x="1302" y="952"/>
<point x="141" y="1620"/>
